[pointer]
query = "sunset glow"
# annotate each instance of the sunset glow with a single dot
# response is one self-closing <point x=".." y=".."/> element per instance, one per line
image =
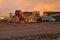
<point x="1" y="1"/>
<point x="7" y="6"/>
<point x="44" y="7"/>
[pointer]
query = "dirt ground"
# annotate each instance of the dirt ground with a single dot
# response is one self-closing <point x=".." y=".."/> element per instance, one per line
<point x="8" y="30"/>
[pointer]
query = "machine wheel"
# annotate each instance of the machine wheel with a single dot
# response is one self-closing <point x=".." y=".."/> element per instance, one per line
<point x="15" y="19"/>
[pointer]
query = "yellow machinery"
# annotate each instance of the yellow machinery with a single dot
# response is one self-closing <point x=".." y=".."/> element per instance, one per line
<point x="20" y="17"/>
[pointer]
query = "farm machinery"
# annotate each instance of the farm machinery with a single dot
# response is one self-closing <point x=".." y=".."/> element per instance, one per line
<point x="20" y="17"/>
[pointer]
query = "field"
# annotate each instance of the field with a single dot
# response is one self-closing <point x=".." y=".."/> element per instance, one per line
<point x="30" y="31"/>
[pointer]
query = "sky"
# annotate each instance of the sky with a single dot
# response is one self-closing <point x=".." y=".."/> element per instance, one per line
<point x="7" y="6"/>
